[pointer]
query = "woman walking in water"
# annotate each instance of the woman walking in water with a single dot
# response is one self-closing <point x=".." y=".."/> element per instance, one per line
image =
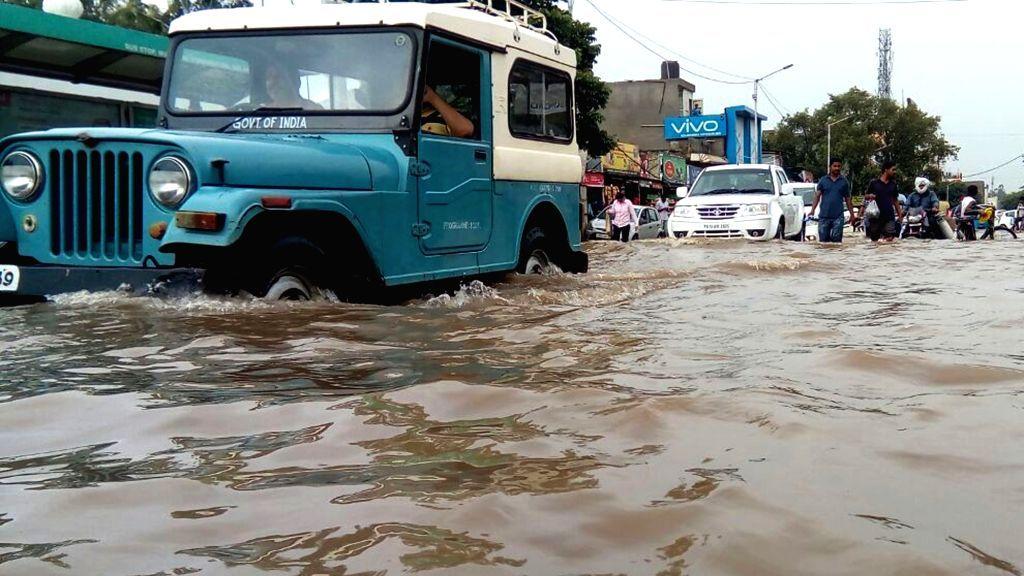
<point x="622" y="214"/>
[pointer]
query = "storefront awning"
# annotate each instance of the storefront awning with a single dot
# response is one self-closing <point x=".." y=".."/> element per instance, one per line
<point x="39" y="44"/>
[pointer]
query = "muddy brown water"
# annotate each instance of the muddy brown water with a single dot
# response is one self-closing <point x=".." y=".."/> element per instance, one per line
<point x="685" y="408"/>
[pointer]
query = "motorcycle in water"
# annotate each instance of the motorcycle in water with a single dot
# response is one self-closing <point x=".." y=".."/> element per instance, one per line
<point x="981" y="218"/>
<point x="915" y="224"/>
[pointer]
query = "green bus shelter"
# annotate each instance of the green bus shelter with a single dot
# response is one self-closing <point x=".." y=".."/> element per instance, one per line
<point x="58" y="72"/>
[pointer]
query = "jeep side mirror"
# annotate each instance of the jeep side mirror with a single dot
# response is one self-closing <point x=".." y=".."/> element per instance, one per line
<point x="682" y="192"/>
<point x="788" y="189"/>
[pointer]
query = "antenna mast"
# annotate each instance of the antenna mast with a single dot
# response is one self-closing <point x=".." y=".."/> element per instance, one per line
<point x="885" y="63"/>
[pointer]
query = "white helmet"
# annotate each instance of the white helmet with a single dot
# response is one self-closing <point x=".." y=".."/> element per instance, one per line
<point x="922" y="184"/>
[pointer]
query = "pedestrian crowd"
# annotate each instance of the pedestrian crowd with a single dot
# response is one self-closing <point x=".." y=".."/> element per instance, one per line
<point x="884" y="209"/>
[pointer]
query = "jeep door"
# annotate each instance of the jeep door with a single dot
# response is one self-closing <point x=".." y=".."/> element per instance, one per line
<point x="455" y="169"/>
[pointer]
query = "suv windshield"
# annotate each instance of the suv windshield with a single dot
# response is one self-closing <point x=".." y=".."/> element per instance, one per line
<point x="364" y="72"/>
<point x="751" y="181"/>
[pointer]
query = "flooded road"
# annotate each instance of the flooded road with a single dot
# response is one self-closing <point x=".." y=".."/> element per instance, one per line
<point x="682" y="409"/>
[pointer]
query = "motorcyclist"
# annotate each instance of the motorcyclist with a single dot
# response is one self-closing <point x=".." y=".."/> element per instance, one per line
<point x="927" y="201"/>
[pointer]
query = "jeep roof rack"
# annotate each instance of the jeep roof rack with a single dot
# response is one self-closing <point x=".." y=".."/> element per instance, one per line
<point x="510" y="10"/>
<point x="515" y="12"/>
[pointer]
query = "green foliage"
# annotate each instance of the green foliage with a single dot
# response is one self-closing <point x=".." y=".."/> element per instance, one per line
<point x="878" y="130"/>
<point x="591" y="93"/>
<point x="1010" y="201"/>
<point x="138" y="15"/>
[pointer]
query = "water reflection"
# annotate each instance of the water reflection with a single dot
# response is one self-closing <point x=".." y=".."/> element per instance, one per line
<point x="327" y="551"/>
<point x="687" y="407"/>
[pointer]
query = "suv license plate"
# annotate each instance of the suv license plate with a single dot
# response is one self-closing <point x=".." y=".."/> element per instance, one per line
<point x="722" y="226"/>
<point x="9" y="278"/>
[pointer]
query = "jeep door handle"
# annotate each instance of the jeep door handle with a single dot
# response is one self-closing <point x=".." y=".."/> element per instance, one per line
<point x="480" y="155"/>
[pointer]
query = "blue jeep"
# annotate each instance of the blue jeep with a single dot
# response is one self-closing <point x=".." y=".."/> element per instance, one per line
<point x="339" y="148"/>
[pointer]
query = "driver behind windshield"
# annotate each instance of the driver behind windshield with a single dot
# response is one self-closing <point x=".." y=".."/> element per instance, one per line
<point x="283" y="89"/>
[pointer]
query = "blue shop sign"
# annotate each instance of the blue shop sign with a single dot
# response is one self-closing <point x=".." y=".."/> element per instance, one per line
<point x="683" y="127"/>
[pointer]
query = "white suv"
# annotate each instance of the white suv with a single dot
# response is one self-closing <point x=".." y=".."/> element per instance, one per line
<point x="751" y="201"/>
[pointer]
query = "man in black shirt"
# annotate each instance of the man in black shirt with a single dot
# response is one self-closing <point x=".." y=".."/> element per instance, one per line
<point x="883" y="191"/>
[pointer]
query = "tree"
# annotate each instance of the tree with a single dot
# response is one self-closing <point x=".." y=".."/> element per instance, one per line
<point x="1011" y="200"/>
<point x="878" y="130"/>
<point x="591" y="93"/>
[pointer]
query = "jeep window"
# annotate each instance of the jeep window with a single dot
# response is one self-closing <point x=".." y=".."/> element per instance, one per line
<point x="363" y="72"/>
<point x="540" y="102"/>
<point x="454" y="75"/>
<point x="752" y="181"/>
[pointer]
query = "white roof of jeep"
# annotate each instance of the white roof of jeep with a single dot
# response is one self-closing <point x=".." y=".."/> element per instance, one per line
<point x="729" y="167"/>
<point x="458" y="19"/>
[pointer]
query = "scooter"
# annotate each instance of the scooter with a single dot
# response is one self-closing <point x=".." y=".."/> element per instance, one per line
<point x="915" y="224"/>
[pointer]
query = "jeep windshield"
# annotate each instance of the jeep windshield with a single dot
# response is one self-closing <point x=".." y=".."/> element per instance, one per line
<point x="751" y="181"/>
<point x="254" y="77"/>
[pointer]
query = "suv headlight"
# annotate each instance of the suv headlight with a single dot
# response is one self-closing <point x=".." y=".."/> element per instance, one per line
<point x="20" y="175"/>
<point x="685" y="211"/>
<point x="755" y="210"/>
<point x="169" y="181"/>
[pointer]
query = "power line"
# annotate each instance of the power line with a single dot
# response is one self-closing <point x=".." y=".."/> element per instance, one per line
<point x="677" y="54"/>
<point x="1003" y="165"/>
<point x="622" y="29"/>
<point x="774" y="102"/>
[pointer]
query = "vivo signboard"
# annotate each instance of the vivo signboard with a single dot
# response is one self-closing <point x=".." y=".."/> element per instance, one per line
<point x="684" y="127"/>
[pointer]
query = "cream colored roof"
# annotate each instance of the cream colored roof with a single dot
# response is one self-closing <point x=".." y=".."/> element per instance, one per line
<point x="455" y="18"/>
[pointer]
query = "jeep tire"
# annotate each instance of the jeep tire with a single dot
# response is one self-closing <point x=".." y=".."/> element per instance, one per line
<point x="535" y="252"/>
<point x="293" y="269"/>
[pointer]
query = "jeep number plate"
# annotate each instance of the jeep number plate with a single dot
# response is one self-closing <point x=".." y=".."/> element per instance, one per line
<point x="9" y="278"/>
<point x="718" y="226"/>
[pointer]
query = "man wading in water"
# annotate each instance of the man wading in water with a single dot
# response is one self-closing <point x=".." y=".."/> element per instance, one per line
<point x="833" y="190"/>
<point x="883" y="191"/>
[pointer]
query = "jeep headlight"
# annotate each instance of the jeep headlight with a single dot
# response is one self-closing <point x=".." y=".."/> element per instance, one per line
<point x="20" y="175"/>
<point x="169" y="181"/>
<point x="755" y="210"/>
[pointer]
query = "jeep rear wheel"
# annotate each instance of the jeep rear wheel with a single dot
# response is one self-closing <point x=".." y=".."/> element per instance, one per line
<point x="535" y="252"/>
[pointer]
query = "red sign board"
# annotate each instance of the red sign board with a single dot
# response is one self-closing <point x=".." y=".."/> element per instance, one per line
<point x="593" y="179"/>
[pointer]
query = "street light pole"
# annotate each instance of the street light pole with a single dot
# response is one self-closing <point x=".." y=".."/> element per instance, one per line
<point x="755" y="153"/>
<point x="828" y="153"/>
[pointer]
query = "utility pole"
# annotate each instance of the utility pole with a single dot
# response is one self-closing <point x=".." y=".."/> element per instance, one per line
<point x="828" y="160"/>
<point x="755" y="151"/>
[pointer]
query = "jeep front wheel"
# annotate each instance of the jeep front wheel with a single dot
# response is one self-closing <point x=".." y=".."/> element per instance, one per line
<point x="289" y="286"/>
<point x="292" y="270"/>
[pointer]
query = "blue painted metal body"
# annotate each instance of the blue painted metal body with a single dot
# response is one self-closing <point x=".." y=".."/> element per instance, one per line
<point x="439" y="214"/>
<point x="475" y="224"/>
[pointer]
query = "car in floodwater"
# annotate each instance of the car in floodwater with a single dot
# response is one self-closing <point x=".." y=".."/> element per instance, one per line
<point x="747" y="201"/>
<point x="344" y="147"/>
<point x="648" y="226"/>
<point x="806" y="192"/>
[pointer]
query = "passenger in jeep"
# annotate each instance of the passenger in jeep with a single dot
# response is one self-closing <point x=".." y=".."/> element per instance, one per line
<point x="439" y="117"/>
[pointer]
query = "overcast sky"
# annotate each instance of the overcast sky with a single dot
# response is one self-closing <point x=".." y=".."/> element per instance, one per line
<point x="962" y="60"/>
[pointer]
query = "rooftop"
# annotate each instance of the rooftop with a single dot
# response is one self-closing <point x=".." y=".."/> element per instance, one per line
<point x="464" y="19"/>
